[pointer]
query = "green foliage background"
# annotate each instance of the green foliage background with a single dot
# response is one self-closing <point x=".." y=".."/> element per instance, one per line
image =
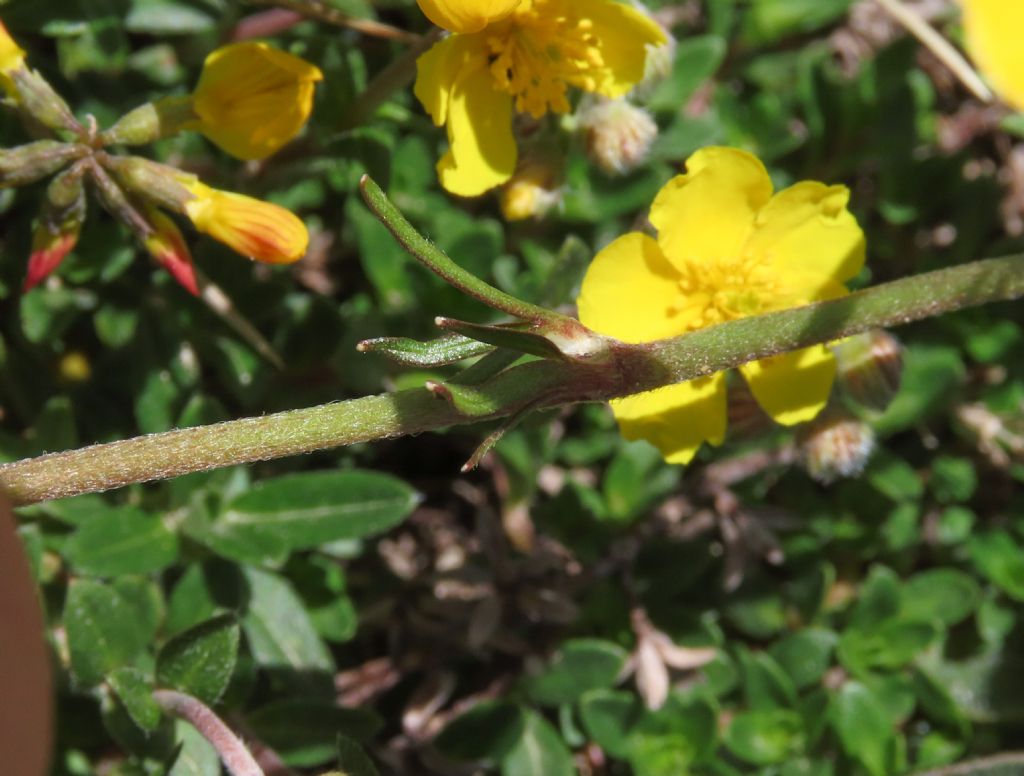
<point x="355" y="603"/>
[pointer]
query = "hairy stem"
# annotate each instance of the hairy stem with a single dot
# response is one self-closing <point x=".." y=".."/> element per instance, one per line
<point x="236" y="758"/>
<point x="538" y="384"/>
<point x="438" y="262"/>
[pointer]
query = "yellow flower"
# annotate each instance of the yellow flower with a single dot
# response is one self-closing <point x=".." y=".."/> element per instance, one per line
<point x="522" y="56"/>
<point x="726" y="248"/>
<point x="251" y="227"/>
<point x="993" y="29"/>
<point x="252" y="99"/>
<point x="12" y="57"/>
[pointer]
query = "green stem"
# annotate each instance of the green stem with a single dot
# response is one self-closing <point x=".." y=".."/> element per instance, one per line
<point x="538" y="383"/>
<point x="438" y="262"/>
<point x="395" y="77"/>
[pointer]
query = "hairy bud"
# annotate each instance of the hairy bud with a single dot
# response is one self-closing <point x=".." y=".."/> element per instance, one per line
<point x="618" y="134"/>
<point x="28" y="163"/>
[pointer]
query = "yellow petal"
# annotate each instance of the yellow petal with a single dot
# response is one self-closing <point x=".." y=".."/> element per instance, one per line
<point x="807" y="230"/>
<point x="792" y="387"/>
<point x="708" y="213"/>
<point x="483" y="149"/>
<point x="12" y="56"/>
<point x="260" y="230"/>
<point x="622" y="35"/>
<point x="438" y="69"/>
<point x="466" y="15"/>
<point x="251" y="98"/>
<point x="993" y="29"/>
<point x="676" y="419"/>
<point x="629" y="290"/>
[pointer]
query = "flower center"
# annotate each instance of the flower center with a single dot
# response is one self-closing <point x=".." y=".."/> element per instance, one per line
<point x="543" y="48"/>
<point x="725" y="289"/>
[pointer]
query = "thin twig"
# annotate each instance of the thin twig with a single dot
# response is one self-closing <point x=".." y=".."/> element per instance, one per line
<point x="939" y="46"/>
<point x="397" y="75"/>
<point x="236" y="758"/>
<point x="322" y="12"/>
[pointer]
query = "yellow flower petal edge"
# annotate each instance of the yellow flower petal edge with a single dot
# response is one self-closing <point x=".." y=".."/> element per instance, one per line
<point x="792" y="387"/>
<point x="260" y="230"/>
<point x="466" y="15"/>
<point x="252" y="98"/>
<point x="12" y="58"/>
<point x="727" y="248"/>
<point x="525" y="57"/>
<point x="676" y="419"/>
<point x="993" y="29"/>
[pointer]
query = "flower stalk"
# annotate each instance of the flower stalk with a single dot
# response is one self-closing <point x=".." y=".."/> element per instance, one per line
<point x="538" y="384"/>
<point x="236" y="758"/>
<point x="563" y="333"/>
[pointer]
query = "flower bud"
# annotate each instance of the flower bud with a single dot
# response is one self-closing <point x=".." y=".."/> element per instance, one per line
<point x="835" y="445"/>
<point x="38" y="100"/>
<point x="167" y="245"/>
<point x="251" y="98"/>
<point x="26" y="164"/>
<point x="618" y="134"/>
<point x="152" y="121"/>
<point x="869" y="367"/>
<point x="531" y="192"/>
<point x="161" y="184"/>
<point x="58" y="227"/>
<point x="260" y="230"/>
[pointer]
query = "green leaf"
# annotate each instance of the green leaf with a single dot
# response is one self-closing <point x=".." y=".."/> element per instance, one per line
<point x="305" y="733"/>
<point x="581" y="665"/>
<point x="196" y="756"/>
<point x="931" y="376"/>
<point x="485" y="733"/>
<point x="168" y="18"/>
<point x="937" y="702"/>
<point x="103" y="630"/>
<point x="353" y="760"/>
<point x="315" y="508"/>
<point x="863" y="727"/>
<point x="771" y="20"/>
<point x="894" y="477"/>
<point x="987" y="688"/>
<point x="539" y="751"/>
<point x="878" y="600"/>
<point x="765" y="685"/>
<point x="121" y="541"/>
<point x="667" y="741"/>
<point x="953" y="480"/>
<point x="765" y="737"/>
<point x="806" y="655"/>
<point x="608" y="717"/>
<point x="199" y="661"/>
<point x="192" y="600"/>
<point x="135" y="691"/>
<point x="998" y="557"/>
<point x="277" y="628"/>
<point x="892" y="644"/>
<point x="635" y="478"/>
<point x="946" y="595"/>
<point x="697" y="58"/>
